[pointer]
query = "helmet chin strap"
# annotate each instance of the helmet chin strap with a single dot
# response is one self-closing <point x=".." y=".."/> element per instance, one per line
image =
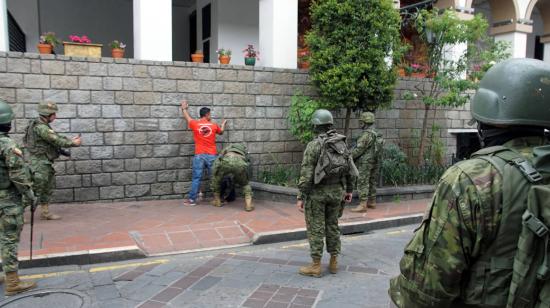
<point x="490" y="135"/>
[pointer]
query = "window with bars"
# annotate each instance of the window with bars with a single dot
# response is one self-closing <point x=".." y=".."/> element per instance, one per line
<point x="16" y="35"/>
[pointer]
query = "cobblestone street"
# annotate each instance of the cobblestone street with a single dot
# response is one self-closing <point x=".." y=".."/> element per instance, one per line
<point x="253" y="276"/>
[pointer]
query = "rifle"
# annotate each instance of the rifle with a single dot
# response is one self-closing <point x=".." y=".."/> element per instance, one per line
<point x="33" y="208"/>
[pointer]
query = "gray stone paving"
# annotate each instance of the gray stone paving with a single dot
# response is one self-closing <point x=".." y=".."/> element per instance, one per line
<point x="235" y="277"/>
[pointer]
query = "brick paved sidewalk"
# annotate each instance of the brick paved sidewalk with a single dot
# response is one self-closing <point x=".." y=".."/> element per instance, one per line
<point x="167" y="226"/>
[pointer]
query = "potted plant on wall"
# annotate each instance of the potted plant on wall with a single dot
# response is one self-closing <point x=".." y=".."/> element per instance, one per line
<point x="47" y="42"/>
<point x="224" y="55"/>
<point x="250" y="55"/>
<point x="117" y="49"/>
<point x="82" y="46"/>
<point x="197" y="57"/>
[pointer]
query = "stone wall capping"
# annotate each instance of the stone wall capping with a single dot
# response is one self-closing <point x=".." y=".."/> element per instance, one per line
<point x="15" y="54"/>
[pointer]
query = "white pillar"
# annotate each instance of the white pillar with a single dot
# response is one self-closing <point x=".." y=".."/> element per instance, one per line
<point x="454" y="52"/>
<point x="153" y="30"/>
<point x="4" y="37"/>
<point x="546" y="56"/>
<point x="279" y="33"/>
<point x="518" y="43"/>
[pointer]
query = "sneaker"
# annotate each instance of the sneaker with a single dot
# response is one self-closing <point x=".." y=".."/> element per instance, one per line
<point x="189" y="202"/>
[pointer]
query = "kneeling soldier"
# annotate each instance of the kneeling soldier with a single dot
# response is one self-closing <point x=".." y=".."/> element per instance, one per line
<point x="15" y="186"/>
<point x="232" y="162"/>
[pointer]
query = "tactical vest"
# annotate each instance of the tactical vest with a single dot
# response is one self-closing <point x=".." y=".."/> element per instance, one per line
<point x="5" y="182"/>
<point x="36" y="145"/>
<point x="488" y="281"/>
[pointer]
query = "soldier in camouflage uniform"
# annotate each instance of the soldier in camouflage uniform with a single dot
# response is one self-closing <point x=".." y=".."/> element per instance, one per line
<point x="366" y="156"/>
<point x="450" y="260"/>
<point x="44" y="146"/>
<point x="321" y="198"/>
<point x="15" y="193"/>
<point x="232" y="162"/>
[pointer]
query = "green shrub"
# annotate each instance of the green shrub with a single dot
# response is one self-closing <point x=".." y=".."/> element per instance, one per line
<point x="299" y="116"/>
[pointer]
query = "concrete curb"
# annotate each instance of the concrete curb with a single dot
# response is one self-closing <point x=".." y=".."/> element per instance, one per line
<point x="134" y="252"/>
<point x="84" y="257"/>
<point x="346" y="228"/>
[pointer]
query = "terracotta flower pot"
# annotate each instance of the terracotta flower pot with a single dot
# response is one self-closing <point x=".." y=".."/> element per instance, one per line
<point x="224" y="59"/>
<point x="44" y="48"/>
<point x="197" y="57"/>
<point x="117" y="53"/>
<point x="303" y="65"/>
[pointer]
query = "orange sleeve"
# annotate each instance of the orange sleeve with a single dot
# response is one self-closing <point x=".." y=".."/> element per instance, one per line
<point x="192" y="124"/>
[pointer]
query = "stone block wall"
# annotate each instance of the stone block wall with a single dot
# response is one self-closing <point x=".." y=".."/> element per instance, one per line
<point x="136" y="146"/>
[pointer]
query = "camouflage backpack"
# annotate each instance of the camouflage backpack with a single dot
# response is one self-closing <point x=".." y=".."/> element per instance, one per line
<point x="335" y="160"/>
<point x="378" y="145"/>
<point x="515" y="269"/>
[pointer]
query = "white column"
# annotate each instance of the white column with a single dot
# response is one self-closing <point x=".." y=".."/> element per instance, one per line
<point x="454" y="52"/>
<point x="4" y="37"/>
<point x="279" y="33"/>
<point x="518" y="43"/>
<point x="546" y="56"/>
<point x="153" y="30"/>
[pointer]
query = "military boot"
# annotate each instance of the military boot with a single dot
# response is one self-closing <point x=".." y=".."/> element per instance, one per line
<point x="13" y="285"/>
<point x="313" y="270"/>
<point x="217" y="200"/>
<point x="45" y="213"/>
<point x="361" y="208"/>
<point x="333" y="265"/>
<point x="371" y="203"/>
<point x="248" y="206"/>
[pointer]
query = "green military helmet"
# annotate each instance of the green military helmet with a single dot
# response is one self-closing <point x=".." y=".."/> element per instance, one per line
<point x="47" y="108"/>
<point x="322" y="117"/>
<point x="367" y="117"/>
<point x="239" y="147"/>
<point x="514" y="92"/>
<point x="6" y="113"/>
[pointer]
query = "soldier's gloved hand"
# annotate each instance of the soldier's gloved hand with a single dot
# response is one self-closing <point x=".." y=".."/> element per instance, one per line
<point x="30" y="199"/>
<point x="348" y="197"/>
<point x="300" y="205"/>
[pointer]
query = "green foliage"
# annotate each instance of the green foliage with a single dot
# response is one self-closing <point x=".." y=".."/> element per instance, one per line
<point x="351" y="43"/>
<point x="279" y="174"/>
<point x="454" y="78"/>
<point x="49" y="38"/>
<point x="395" y="170"/>
<point x="299" y="116"/>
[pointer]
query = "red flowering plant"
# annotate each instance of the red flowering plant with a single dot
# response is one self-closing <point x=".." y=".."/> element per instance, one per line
<point x="250" y="52"/>
<point x="80" y="39"/>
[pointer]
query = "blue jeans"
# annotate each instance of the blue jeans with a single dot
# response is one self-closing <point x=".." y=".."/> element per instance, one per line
<point x="199" y="162"/>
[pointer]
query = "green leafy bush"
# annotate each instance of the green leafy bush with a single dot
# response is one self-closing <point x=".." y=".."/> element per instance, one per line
<point x="301" y="109"/>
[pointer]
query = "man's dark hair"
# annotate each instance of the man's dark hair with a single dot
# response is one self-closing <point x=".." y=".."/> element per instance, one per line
<point x="5" y="128"/>
<point x="204" y="111"/>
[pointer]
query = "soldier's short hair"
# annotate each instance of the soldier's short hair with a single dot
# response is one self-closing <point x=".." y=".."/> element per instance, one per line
<point x="204" y="111"/>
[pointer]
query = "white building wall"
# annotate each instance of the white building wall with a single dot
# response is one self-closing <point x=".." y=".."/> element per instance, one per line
<point x="279" y="33"/>
<point x="238" y="25"/>
<point x="153" y="30"/>
<point x="4" y="38"/>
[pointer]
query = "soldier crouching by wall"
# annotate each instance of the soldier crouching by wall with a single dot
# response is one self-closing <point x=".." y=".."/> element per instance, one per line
<point x="232" y="166"/>
<point x="15" y="194"/>
<point x="45" y="145"/>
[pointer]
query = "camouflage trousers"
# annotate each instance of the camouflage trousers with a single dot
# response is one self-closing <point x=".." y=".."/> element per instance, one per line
<point x="232" y="166"/>
<point x="367" y="181"/>
<point x="11" y="225"/>
<point x="322" y="209"/>
<point x="43" y="179"/>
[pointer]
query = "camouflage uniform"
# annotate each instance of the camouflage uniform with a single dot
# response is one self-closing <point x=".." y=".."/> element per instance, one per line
<point x="464" y="254"/>
<point x="323" y="201"/>
<point x="43" y="145"/>
<point x="232" y="162"/>
<point x="368" y="165"/>
<point x="459" y="226"/>
<point x="15" y="181"/>
<point x="15" y="194"/>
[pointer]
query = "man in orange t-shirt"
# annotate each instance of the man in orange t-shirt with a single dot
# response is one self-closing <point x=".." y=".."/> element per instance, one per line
<point x="204" y="134"/>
